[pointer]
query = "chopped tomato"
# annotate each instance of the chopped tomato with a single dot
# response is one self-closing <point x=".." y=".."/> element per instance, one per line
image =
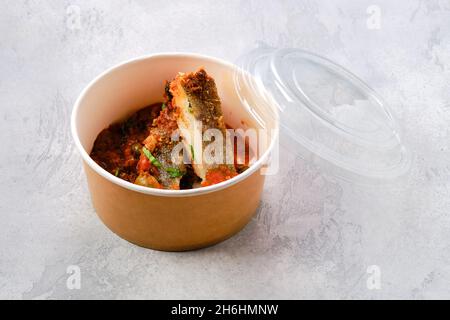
<point x="217" y="175"/>
<point x="143" y="164"/>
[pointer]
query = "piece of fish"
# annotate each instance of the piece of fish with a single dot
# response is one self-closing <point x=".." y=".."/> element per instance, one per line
<point x="195" y="97"/>
<point x="165" y="167"/>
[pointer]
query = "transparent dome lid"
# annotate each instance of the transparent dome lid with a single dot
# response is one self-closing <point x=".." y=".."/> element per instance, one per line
<point x="329" y="115"/>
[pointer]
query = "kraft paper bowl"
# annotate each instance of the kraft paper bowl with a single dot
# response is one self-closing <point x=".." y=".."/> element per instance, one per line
<point x="169" y="220"/>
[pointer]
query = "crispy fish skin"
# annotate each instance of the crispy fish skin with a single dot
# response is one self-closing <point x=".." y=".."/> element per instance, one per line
<point x="199" y="109"/>
<point x="199" y="92"/>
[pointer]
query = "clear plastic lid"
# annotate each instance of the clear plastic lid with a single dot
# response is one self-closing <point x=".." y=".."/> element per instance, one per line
<point x="327" y="113"/>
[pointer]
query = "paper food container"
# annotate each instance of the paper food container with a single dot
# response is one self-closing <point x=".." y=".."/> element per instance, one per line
<point x="326" y="113"/>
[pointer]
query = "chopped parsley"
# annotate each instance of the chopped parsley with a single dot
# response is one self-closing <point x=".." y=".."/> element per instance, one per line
<point x="192" y="152"/>
<point x="174" y="172"/>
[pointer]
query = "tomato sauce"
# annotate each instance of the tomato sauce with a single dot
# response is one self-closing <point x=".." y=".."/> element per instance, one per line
<point x="118" y="150"/>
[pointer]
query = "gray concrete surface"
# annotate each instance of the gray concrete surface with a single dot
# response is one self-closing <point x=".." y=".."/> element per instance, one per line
<point x="314" y="236"/>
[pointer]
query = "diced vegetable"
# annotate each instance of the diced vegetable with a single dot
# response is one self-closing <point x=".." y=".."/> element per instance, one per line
<point x="147" y="180"/>
<point x="143" y="164"/>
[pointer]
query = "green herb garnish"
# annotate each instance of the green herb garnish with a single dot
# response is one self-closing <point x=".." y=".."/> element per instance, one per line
<point x="150" y="157"/>
<point x="163" y="106"/>
<point x="192" y="152"/>
<point x="174" y="172"/>
<point x="116" y="172"/>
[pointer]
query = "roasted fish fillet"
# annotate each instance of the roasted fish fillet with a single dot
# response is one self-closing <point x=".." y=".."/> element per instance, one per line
<point x="195" y="97"/>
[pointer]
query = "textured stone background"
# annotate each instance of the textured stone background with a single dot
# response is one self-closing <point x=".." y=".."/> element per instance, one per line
<point x="314" y="236"/>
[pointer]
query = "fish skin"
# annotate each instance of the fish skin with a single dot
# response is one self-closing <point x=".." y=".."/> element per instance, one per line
<point x="159" y="143"/>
